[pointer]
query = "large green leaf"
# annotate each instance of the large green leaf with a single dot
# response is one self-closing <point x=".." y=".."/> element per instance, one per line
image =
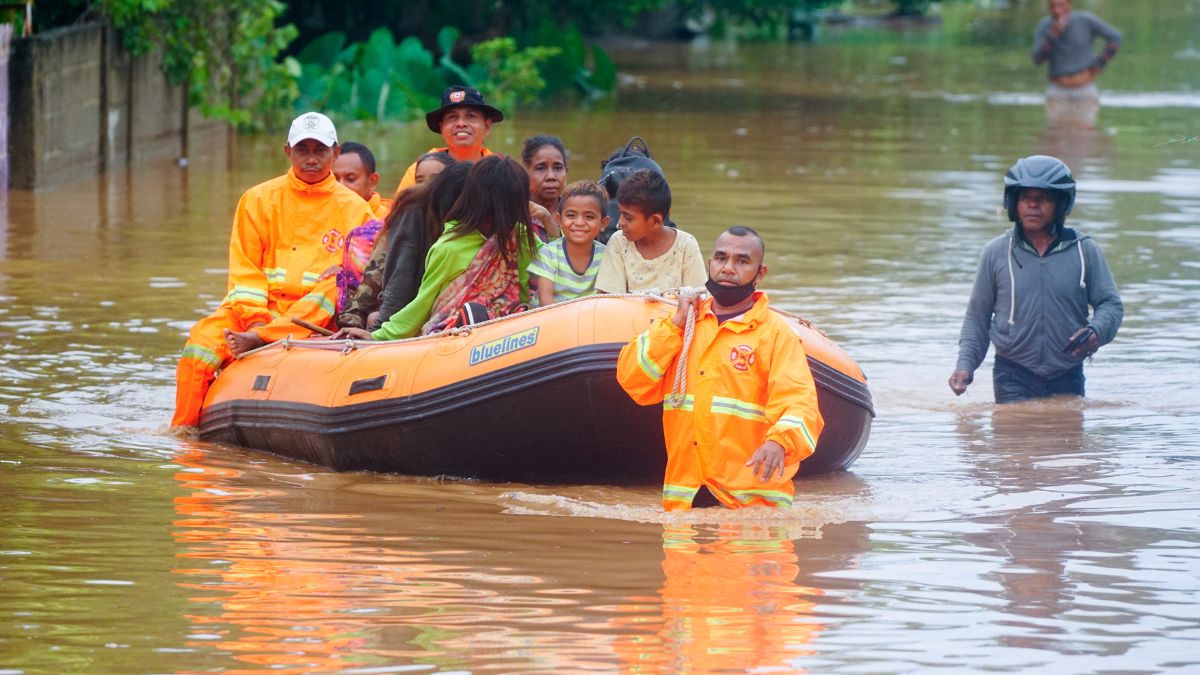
<point x="323" y="51"/>
<point x="446" y="38"/>
<point x="373" y="84"/>
<point x="379" y="52"/>
<point x="414" y="67"/>
<point x="604" y="71"/>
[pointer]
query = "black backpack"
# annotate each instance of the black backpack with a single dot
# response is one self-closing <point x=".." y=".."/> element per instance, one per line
<point x="634" y="157"/>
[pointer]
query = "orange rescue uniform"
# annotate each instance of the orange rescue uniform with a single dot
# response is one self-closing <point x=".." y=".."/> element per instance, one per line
<point x="748" y="382"/>
<point x="379" y="206"/>
<point x="286" y="233"/>
<point x="410" y="175"/>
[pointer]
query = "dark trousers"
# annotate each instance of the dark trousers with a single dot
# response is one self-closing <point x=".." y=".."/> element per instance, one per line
<point x="1012" y="382"/>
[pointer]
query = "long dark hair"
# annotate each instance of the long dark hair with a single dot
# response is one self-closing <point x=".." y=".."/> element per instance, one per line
<point x="443" y="192"/>
<point x="432" y="199"/>
<point x="494" y="201"/>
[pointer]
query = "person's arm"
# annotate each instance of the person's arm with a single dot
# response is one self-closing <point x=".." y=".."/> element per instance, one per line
<point x="442" y="265"/>
<point x="366" y="297"/>
<point x="545" y="290"/>
<point x="1112" y="41"/>
<point x="541" y="267"/>
<point x="973" y="339"/>
<point x="319" y="305"/>
<point x="407" y="248"/>
<point x="1044" y="43"/>
<point x="540" y="214"/>
<point x="525" y="256"/>
<point x="645" y="362"/>
<point x="1107" y="308"/>
<point x="791" y="406"/>
<point x="247" y="288"/>
<point x="611" y="277"/>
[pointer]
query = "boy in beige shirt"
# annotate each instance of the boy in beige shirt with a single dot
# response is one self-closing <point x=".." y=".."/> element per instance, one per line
<point x="645" y="254"/>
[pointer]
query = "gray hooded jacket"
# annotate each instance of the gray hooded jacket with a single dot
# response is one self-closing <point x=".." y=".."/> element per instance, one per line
<point x="1029" y="306"/>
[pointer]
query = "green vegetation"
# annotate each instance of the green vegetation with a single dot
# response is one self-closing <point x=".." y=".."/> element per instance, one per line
<point x="225" y="51"/>
<point x="233" y="55"/>
<point x="382" y="79"/>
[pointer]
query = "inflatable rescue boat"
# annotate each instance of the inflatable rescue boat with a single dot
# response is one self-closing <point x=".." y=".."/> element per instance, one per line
<point x="530" y="398"/>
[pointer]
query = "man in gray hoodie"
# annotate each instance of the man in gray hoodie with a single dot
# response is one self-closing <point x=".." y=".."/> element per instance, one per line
<point x="1032" y="293"/>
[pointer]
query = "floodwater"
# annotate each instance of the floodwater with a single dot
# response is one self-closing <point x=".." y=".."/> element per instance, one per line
<point x="1059" y="535"/>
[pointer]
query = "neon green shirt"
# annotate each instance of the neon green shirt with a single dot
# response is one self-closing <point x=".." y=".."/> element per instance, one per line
<point x="447" y="258"/>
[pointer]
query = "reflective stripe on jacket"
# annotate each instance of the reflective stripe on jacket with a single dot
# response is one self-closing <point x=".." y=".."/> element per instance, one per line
<point x="748" y="382"/>
<point x="286" y="234"/>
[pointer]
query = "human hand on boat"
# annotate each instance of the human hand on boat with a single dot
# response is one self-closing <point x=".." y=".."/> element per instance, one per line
<point x="686" y="301"/>
<point x="352" y="334"/>
<point x="959" y="381"/>
<point x="767" y="460"/>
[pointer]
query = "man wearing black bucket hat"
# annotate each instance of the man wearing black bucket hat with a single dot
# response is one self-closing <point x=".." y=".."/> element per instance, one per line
<point x="1032" y="292"/>
<point x="464" y="121"/>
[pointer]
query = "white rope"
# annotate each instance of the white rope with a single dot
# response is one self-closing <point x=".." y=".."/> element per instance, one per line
<point x="649" y="294"/>
<point x="669" y="296"/>
<point x="679" y="389"/>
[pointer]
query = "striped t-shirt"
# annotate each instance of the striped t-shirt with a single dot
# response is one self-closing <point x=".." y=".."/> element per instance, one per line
<point x="552" y="265"/>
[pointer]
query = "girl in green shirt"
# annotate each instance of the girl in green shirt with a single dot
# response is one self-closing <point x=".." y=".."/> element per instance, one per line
<point x="494" y="205"/>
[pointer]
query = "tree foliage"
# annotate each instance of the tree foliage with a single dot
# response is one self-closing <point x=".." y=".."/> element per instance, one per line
<point x="225" y="51"/>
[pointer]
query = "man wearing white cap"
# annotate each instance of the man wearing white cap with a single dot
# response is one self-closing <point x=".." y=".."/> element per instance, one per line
<point x="286" y="233"/>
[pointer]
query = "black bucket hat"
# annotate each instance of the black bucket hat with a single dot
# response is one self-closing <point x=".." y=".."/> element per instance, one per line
<point x="459" y="96"/>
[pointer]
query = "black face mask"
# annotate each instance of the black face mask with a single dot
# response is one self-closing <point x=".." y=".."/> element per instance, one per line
<point x="728" y="296"/>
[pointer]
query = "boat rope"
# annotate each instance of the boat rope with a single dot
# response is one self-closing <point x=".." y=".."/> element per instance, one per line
<point x="348" y="345"/>
<point x="679" y="389"/>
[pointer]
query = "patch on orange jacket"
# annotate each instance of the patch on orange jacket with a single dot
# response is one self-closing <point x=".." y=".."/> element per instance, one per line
<point x="741" y="357"/>
<point x="333" y="241"/>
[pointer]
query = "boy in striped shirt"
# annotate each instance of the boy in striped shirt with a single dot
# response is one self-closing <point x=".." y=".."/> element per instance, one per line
<point x="566" y="268"/>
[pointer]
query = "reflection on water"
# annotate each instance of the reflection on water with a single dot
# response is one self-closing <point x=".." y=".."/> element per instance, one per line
<point x="1054" y="535"/>
<point x="282" y="578"/>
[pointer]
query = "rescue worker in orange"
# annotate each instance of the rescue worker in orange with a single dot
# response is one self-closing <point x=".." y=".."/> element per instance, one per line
<point x="286" y="232"/>
<point x="748" y="415"/>
<point x="464" y="121"/>
<point x="355" y="168"/>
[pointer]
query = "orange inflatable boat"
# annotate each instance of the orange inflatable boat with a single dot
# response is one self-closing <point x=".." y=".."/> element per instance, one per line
<point x="531" y="398"/>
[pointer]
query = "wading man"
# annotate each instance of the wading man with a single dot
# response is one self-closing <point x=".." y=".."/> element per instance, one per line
<point x="286" y="232"/>
<point x="1032" y="292"/>
<point x="1064" y="41"/>
<point x="748" y="414"/>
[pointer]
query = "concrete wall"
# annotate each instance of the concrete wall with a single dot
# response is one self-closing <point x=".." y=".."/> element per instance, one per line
<point x="79" y="104"/>
<point x="5" y="39"/>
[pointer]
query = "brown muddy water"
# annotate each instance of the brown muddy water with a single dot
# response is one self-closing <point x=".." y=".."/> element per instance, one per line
<point x="1061" y="535"/>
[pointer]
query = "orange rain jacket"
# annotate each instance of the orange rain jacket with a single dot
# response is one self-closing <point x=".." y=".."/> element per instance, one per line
<point x="747" y="382"/>
<point x="379" y="206"/>
<point x="286" y="234"/>
<point x="410" y="174"/>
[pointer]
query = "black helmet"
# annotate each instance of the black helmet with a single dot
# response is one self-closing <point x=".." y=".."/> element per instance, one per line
<point x="1045" y="173"/>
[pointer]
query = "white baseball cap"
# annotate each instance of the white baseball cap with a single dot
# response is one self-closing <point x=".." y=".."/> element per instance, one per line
<point x="313" y="125"/>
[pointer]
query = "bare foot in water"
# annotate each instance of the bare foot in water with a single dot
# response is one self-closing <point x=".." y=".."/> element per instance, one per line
<point x="240" y="343"/>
